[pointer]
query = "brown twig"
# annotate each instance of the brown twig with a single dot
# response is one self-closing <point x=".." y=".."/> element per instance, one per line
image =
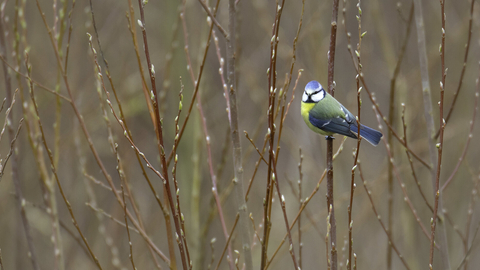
<point x="33" y="81"/>
<point x="182" y="245"/>
<point x="439" y="146"/>
<point x="282" y="203"/>
<point x="132" y="27"/>
<point x="197" y="86"/>
<point x="139" y="160"/>
<point x="54" y="170"/>
<point x="272" y="160"/>
<point x="465" y="58"/>
<point x="130" y="255"/>
<point x="12" y="149"/>
<point x="391" y="120"/>
<point x="117" y="221"/>
<point x="377" y="107"/>
<point x="87" y="135"/>
<point x="469" y="138"/>
<point x="205" y="131"/>
<point x="228" y="241"/>
<point x="256" y="148"/>
<point x="331" y="90"/>
<point x="149" y="165"/>
<point x="400" y="182"/>
<point x="175" y="180"/>
<point x="212" y="18"/>
<point x="357" y="150"/>
<point x="304" y="204"/>
<point x="288" y="80"/>
<point x="465" y="258"/>
<point x="470" y="212"/>
<point x="300" y="200"/>
<point x="391" y="242"/>
<point x="10" y="99"/>
<point x="411" y="163"/>
<point x="250" y="183"/>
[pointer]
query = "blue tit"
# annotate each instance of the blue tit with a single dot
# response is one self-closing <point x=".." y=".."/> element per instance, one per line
<point x="325" y="115"/>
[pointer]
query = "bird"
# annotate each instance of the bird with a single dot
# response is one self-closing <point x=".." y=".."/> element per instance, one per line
<point x="325" y="115"/>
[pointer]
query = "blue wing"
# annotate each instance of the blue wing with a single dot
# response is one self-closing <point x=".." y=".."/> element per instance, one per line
<point x="334" y="125"/>
<point x="371" y="135"/>
<point x="343" y="127"/>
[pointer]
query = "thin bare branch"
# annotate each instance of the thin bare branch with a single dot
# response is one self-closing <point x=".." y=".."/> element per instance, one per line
<point x="211" y="16"/>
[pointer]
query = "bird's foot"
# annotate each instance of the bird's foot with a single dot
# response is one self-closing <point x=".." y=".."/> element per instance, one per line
<point x="329" y="137"/>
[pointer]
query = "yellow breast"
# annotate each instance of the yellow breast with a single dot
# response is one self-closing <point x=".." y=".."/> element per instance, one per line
<point x="305" y="109"/>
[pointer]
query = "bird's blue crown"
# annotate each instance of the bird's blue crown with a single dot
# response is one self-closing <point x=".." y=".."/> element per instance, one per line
<point x="313" y="87"/>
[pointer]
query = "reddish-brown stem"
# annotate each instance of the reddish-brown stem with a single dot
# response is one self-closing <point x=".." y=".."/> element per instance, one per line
<point x="182" y="245"/>
<point x="228" y="241"/>
<point x="282" y="203"/>
<point x="440" y="143"/>
<point x="130" y="255"/>
<point x="34" y="81"/>
<point x="197" y="85"/>
<point x="132" y="27"/>
<point x="410" y="160"/>
<point x="272" y="80"/>
<point x="149" y="165"/>
<point x="205" y="130"/>
<point x="256" y="167"/>
<point x="465" y="58"/>
<point x="142" y="167"/>
<point x="377" y="108"/>
<point x="304" y="204"/>
<point x="256" y="148"/>
<point x="391" y="120"/>
<point x="300" y="200"/>
<point x="469" y="138"/>
<point x="331" y="90"/>
<point x="400" y="182"/>
<point x="10" y="99"/>
<point x="369" y="194"/>
<point x="357" y="150"/>
<point x="89" y="138"/>
<point x="470" y="212"/>
<point x="211" y="16"/>
<point x="54" y="170"/>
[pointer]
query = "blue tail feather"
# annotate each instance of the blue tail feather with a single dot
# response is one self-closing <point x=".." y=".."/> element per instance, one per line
<point x="371" y="135"/>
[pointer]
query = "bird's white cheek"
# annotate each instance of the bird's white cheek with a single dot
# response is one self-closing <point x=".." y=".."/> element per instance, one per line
<point x="318" y="96"/>
<point x="304" y="97"/>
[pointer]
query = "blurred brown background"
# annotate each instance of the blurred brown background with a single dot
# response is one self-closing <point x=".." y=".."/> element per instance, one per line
<point x="385" y="22"/>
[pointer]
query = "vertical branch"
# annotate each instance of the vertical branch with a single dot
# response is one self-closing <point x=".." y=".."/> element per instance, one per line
<point x="390" y="238"/>
<point x="244" y="226"/>
<point x="465" y="58"/>
<point x="391" y="120"/>
<point x="127" y="129"/>
<point x="439" y="145"/>
<point x="159" y="132"/>
<point x="203" y="121"/>
<point x="54" y="170"/>
<point x="130" y="255"/>
<point x="357" y="151"/>
<point x="441" y="240"/>
<point x="272" y="161"/>
<point x="10" y="99"/>
<point x="331" y="89"/>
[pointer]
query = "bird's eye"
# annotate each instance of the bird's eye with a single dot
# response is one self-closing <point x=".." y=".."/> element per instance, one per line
<point x="318" y="96"/>
<point x="304" y="97"/>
